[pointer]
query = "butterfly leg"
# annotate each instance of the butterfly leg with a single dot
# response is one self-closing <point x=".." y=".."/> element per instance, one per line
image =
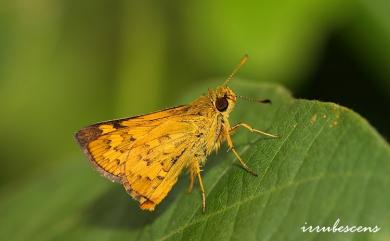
<point x="231" y="147"/>
<point x="250" y="129"/>
<point x="202" y="190"/>
<point x="192" y="178"/>
<point x="195" y="171"/>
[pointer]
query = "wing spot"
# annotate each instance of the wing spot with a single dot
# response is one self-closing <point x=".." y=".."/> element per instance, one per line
<point x="148" y="162"/>
<point x="164" y="138"/>
<point x="174" y="160"/>
<point x="117" y="124"/>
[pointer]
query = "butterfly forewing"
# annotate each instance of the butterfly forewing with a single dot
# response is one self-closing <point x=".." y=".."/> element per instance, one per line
<point x="145" y="153"/>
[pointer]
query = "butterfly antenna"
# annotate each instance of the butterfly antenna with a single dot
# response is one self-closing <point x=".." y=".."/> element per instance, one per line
<point x="264" y="101"/>
<point x="238" y="67"/>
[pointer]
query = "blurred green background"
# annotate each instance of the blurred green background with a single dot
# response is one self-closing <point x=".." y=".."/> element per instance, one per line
<point x="68" y="64"/>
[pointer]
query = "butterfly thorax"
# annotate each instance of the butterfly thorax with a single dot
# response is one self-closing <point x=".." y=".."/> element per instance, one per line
<point x="213" y="111"/>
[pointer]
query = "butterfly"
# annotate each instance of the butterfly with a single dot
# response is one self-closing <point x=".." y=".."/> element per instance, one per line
<point x="147" y="153"/>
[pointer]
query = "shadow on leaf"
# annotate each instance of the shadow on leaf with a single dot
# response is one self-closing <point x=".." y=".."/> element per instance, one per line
<point x="115" y="209"/>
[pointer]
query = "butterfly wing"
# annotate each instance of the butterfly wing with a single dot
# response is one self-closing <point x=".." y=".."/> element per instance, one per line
<point x="145" y="153"/>
<point x="106" y="143"/>
<point x="156" y="161"/>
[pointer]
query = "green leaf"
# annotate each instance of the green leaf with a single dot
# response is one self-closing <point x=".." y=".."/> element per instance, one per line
<point x="328" y="164"/>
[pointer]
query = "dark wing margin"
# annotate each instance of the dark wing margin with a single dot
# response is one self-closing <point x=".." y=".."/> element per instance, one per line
<point x="83" y="138"/>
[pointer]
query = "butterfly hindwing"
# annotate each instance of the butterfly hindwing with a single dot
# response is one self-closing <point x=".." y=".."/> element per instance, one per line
<point x="156" y="161"/>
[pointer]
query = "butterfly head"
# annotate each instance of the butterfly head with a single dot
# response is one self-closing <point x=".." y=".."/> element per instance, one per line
<point x="223" y="99"/>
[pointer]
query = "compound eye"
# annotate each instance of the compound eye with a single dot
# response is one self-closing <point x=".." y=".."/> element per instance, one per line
<point x="221" y="104"/>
